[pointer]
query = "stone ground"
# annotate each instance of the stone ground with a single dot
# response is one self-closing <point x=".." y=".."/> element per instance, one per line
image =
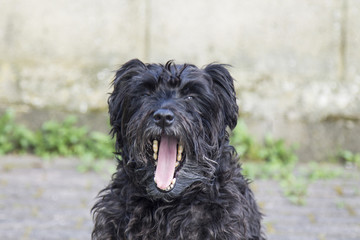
<point x="47" y="200"/>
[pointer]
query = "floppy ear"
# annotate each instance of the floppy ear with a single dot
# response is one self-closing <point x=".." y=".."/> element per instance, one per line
<point x="224" y="88"/>
<point x="118" y="101"/>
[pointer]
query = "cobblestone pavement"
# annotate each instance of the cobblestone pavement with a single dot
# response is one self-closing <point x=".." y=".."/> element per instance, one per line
<point x="47" y="200"/>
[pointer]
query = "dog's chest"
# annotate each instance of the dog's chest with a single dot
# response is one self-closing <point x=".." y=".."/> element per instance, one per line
<point x="184" y="221"/>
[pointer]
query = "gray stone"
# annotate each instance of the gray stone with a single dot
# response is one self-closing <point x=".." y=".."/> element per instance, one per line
<point x="51" y="200"/>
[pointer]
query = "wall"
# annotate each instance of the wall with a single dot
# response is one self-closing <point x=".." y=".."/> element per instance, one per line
<point x="297" y="63"/>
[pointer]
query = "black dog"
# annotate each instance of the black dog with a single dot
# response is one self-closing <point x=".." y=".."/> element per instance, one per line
<point x="178" y="177"/>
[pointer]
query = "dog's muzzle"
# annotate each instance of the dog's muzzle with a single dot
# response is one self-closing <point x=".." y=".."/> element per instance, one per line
<point x="168" y="151"/>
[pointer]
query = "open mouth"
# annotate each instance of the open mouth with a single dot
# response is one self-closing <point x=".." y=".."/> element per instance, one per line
<point x="168" y="155"/>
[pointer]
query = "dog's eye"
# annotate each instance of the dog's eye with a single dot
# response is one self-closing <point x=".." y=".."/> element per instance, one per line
<point x="189" y="97"/>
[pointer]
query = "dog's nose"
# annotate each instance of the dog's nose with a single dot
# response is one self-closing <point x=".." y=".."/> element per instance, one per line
<point x="163" y="117"/>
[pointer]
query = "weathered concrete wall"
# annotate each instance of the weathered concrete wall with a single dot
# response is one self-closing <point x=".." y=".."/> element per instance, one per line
<point x="61" y="53"/>
<point x="297" y="63"/>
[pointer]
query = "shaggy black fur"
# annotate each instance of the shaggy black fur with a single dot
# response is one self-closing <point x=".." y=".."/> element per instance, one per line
<point x="211" y="199"/>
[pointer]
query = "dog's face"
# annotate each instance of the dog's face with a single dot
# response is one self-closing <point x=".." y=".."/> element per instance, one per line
<point x="170" y="124"/>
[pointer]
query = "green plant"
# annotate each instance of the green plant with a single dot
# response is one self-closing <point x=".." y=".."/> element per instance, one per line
<point x="67" y="139"/>
<point x="101" y="144"/>
<point x="245" y="145"/>
<point x="274" y="159"/>
<point x="273" y="150"/>
<point x="56" y="139"/>
<point x="6" y="129"/>
<point x="294" y="188"/>
<point x="61" y="139"/>
<point x="348" y="157"/>
<point x="276" y="151"/>
<point x="13" y="137"/>
<point x="320" y="171"/>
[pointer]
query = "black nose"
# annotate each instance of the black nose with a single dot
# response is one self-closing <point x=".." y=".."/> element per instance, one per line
<point x="163" y="117"/>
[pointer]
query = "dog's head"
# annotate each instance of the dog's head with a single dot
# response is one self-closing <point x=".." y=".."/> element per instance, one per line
<point x="170" y="124"/>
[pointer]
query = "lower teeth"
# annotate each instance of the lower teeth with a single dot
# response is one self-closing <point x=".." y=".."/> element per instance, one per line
<point x="171" y="186"/>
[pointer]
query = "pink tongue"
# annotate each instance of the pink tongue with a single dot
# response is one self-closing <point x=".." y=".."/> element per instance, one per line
<point x="166" y="162"/>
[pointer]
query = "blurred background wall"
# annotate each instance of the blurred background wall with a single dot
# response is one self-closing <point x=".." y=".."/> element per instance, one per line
<point x="297" y="63"/>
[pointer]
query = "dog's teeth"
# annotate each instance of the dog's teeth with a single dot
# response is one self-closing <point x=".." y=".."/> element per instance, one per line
<point x="155" y="146"/>
<point x="180" y="149"/>
<point x="170" y="187"/>
<point x="155" y="156"/>
<point x="177" y="164"/>
<point x="155" y="180"/>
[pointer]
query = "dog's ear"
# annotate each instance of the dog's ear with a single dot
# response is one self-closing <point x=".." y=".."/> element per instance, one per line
<point x="117" y="101"/>
<point x="224" y="88"/>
